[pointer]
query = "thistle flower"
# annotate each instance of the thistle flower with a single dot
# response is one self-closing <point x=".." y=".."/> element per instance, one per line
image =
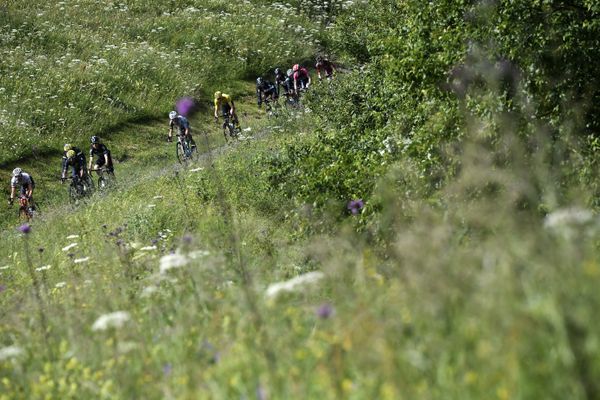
<point x="112" y="320"/>
<point x="185" y="106"/>
<point x="354" y="206"/>
<point x="324" y="311"/>
<point x="25" y="229"/>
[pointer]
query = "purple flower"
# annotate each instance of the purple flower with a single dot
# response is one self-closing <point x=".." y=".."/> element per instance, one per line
<point x="25" y="228"/>
<point x="325" y="311"/>
<point x="354" y="206"/>
<point x="184" y="106"/>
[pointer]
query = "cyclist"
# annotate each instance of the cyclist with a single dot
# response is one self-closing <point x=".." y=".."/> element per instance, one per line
<point x="25" y="183"/>
<point x="183" y="124"/>
<point x="225" y="103"/>
<point x="285" y="80"/>
<point x="73" y="157"/>
<point x="301" y="78"/>
<point x="265" y="90"/>
<point x="325" y="65"/>
<point x="104" y="159"/>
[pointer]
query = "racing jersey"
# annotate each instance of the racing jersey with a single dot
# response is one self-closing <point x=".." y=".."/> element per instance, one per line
<point x="181" y="122"/>
<point x="101" y="150"/>
<point x="25" y="180"/>
<point x="326" y="65"/>
<point x="301" y="74"/>
<point x="78" y="161"/>
<point x="221" y="101"/>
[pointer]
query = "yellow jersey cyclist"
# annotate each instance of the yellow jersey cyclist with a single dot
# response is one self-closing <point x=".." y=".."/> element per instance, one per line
<point x="225" y="103"/>
<point x="24" y="182"/>
<point x="73" y="157"/>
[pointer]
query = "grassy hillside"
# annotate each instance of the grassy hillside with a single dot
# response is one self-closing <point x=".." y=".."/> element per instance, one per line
<point x="394" y="240"/>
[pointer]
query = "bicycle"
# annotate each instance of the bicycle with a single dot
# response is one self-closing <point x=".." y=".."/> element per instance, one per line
<point x="271" y="106"/>
<point x="80" y="187"/>
<point x="106" y="178"/>
<point x="184" y="149"/>
<point x="26" y="209"/>
<point x="229" y="128"/>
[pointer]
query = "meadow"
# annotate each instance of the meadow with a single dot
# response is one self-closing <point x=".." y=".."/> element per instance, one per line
<point x="396" y="238"/>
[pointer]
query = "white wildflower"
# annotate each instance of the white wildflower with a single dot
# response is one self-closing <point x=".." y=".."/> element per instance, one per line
<point x="289" y="286"/>
<point x="149" y="291"/>
<point x="69" y="247"/>
<point x="157" y="197"/>
<point x="171" y="261"/>
<point x="70" y="237"/>
<point x="43" y="268"/>
<point x="196" y="169"/>
<point x="9" y="352"/>
<point x="4" y="267"/>
<point x="151" y="205"/>
<point x="112" y="320"/>
<point x="568" y="217"/>
<point x="198" y="253"/>
<point x="60" y="285"/>
<point x="148" y="248"/>
<point x="81" y="260"/>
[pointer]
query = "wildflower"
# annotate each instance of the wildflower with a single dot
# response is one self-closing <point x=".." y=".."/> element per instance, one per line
<point x="325" y="311"/>
<point x="5" y="267"/>
<point x="289" y="286"/>
<point x="69" y="247"/>
<point x="171" y="261"/>
<point x="112" y="320"/>
<point x="568" y="216"/>
<point x="25" y="229"/>
<point x="43" y="268"/>
<point x="81" y="260"/>
<point x="151" y="205"/>
<point x="9" y="352"/>
<point x="70" y="237"/>
<point x="60" y="285"/>
<point x="148" y="248"/>
<point x="157" y="197"/>
<point x="196" y="169"/>
<point x="355" y="206"/>
<point x="149" y="291"/>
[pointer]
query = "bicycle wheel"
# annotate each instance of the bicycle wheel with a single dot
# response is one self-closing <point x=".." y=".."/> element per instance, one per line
<point x="24" y="214"/>
<point x="87" y="184"/>
<point x="180" y="152"/>
<point x="73" y="193"/>
<point x="102" y="183"/>
<point x="231" y="130"/>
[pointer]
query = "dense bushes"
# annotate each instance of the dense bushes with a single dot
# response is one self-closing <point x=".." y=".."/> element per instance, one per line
<point x="429" y="70"/>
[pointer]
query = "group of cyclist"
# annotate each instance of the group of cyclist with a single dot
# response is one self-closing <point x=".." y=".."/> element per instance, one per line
<point x="74" y="158"/>
<point x="293" y="82"/>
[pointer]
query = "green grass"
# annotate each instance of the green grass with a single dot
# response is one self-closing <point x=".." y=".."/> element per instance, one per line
<point x="483" y="288"/>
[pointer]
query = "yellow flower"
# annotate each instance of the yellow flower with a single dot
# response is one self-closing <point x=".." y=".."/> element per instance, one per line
<point x="347" y="385"/>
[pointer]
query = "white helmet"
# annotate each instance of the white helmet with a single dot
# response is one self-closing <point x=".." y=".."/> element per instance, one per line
<point x="172" y="114"/>
<point x="17" y="171"/>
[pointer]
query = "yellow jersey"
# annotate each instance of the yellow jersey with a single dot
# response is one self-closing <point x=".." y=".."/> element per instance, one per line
<point x="224" y="99"/>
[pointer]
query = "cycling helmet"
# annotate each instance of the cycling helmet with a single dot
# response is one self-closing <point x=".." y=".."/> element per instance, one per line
<point x="172" y="114"/>
<point x="290" y="72"/>
<point x="218" y="95"/>
<point x="67" y="147"/>
<point x="259" y="80"/>
<point x="319" y="58"/>
<point x="95" y="139"/>
<point x="70" y="154"/>
<point x="17" y="171"/>
<point x="296" y="67"/>
<point x="277" y="71"/>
